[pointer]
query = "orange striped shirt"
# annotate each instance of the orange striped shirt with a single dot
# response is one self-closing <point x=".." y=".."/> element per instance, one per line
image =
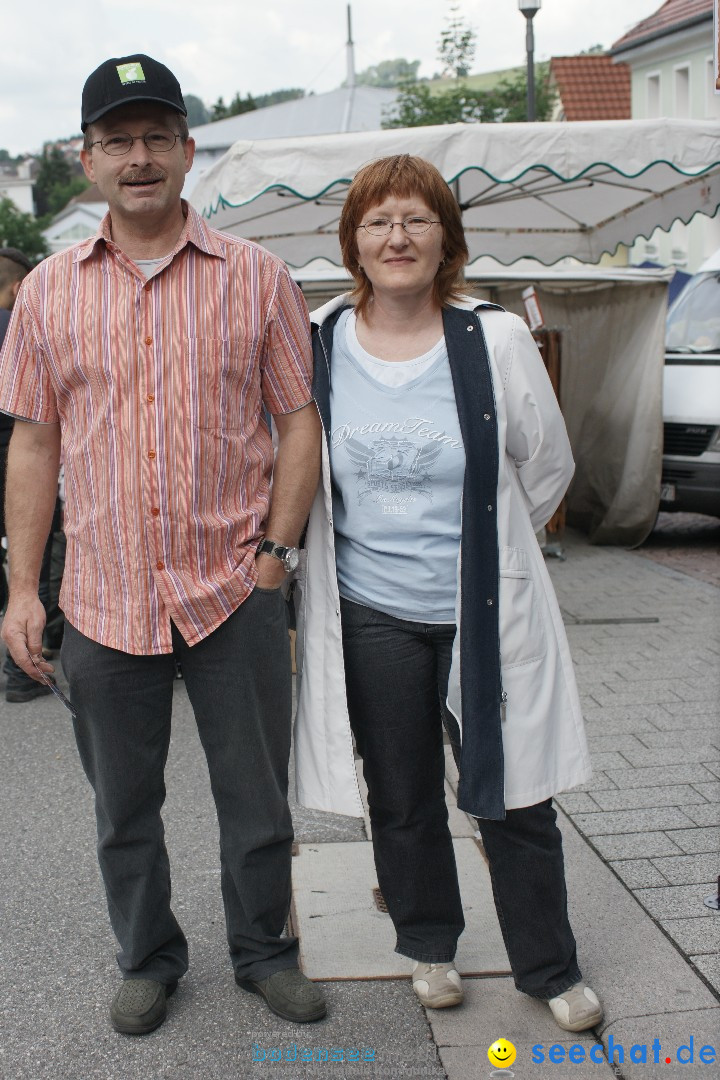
<point x="159" y="387"/>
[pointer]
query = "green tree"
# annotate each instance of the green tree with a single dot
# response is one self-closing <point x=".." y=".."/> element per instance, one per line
<point x="456" y="48"/>
<point x="197" y="112"/>
<point x="277" y="97"/>
<point x="238" y="105"/>
<point x="61" y="194"/>
<point x="389" y="73"/>
<point x="418" y="106"/>
<point x="56" y="183"/>
<point x="21" y="231"/>
<point x="219" y="111"/>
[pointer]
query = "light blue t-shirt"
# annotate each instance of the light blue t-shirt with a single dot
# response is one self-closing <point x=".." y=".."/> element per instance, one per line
<point x="398" y="464"/>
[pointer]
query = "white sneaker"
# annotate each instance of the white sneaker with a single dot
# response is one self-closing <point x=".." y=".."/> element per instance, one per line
<point x="577" y="1009"/>
<point x="438" y="986"/>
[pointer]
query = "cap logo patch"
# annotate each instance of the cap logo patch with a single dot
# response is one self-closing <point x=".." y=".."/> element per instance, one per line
<point x="131" y="73"/>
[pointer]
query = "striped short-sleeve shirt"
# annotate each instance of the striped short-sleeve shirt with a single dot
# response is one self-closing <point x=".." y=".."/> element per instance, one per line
<point x="160" y="387"/>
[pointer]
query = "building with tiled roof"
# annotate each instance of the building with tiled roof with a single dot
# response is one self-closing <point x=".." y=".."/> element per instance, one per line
<point x="590" y="87"/>
<point x="673" y="17"/>
<point x="673" y="61"/>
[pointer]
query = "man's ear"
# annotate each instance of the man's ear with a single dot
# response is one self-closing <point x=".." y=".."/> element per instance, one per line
<point x="189" y="152"/>
<point x="86" y="162"/>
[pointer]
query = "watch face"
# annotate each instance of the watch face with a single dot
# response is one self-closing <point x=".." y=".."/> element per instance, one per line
<point x="291" y="559"/>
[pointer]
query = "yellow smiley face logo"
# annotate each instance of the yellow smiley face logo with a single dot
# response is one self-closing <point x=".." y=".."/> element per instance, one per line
<point x="502" y="1054"/>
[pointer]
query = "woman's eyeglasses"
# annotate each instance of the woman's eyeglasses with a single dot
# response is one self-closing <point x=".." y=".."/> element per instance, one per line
<point x="413" y="226"/>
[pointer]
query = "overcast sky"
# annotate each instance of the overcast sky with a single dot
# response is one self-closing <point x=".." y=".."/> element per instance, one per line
<point x="217" y="47"/>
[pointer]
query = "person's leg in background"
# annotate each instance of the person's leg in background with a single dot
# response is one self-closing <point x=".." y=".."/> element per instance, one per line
<point x="50" y="583"/>
<point x="19" y="687"/>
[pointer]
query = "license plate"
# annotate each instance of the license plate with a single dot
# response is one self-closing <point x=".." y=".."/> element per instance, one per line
<point x="667" y="493"/>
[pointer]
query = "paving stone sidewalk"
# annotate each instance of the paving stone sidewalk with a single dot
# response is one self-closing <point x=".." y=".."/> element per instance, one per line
<point x="645" y="829"/>
<point x="650" y="692"/>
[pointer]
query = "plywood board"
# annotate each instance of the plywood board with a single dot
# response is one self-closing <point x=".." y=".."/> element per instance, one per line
<point x="344" y="936"/>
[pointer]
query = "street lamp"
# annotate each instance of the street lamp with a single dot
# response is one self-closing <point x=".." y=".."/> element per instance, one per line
<point x="529" y="8"/>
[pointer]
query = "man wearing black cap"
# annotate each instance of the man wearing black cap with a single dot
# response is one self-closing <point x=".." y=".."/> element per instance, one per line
<point x="152" y="352"/>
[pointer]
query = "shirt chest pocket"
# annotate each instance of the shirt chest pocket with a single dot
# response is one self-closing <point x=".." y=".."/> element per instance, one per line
<point x="522" y="632"/>
<point x="222" y="384"/>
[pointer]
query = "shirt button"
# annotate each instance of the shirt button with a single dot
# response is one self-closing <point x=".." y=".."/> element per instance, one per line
<point x="151" y="397"/>
<point x="151" y="453"/>
<point x="155" y="511"/>
<point x="160" y="565"/>
<point x="148" y="341"/>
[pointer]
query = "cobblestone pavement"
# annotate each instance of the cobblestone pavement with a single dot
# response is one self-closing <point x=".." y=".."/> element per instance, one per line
<point x="646" y="644"/>
<point x="686" y="542"/>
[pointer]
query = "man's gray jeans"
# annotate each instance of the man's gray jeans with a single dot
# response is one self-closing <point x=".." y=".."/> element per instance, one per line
<point x="239" y="683"/>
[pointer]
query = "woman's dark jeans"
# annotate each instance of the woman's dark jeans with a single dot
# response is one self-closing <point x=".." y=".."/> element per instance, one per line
<point x="397" y="676"/>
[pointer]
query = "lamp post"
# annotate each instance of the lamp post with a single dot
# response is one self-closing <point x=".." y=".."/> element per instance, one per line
<point x="529" y="9"/>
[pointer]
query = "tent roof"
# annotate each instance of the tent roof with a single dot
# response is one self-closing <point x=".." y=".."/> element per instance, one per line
<point x="540" y="190"/>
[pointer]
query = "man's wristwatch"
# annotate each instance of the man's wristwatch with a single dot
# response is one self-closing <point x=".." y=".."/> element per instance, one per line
<point x="288" y="556"/>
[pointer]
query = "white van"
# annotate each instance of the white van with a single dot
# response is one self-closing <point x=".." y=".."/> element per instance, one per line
<point x="691" y="396"/>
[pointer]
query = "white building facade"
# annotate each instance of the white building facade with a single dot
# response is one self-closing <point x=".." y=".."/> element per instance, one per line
<point x="672" y="61"/>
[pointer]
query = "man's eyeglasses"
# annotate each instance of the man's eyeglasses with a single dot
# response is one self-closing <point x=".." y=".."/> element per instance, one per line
<point x="159" y="141"/>
<point x="413" y="226"/>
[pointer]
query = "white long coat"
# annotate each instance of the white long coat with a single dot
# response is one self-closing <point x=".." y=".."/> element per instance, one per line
<point x="542" y="731"/>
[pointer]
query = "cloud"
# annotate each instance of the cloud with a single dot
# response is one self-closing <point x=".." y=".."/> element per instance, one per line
<point x="217" y="47"/>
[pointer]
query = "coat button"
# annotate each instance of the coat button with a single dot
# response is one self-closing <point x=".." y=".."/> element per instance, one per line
<point x="490" y="603"/>
<point x="490" y="507"/>
<point x="487" y="416"/>
<point x="471" y="328"/>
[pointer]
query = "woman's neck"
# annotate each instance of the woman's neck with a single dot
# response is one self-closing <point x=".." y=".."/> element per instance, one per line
<point x="397" y="328"/>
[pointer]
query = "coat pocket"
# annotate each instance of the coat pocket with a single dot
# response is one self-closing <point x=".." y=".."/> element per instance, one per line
<point x="522" y="633"/>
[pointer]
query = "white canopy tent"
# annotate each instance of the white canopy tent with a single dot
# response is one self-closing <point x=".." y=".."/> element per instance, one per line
<point x="540" y="190"/>
<point x="537" y="191"/>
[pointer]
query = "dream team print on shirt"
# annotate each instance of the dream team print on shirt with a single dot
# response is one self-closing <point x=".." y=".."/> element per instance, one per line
<point x="397" y="466"/>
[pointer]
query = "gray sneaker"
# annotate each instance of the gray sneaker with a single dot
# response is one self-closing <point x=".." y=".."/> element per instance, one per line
<point x="577" y="1009"/>
<point x="438" y="986"/>
<point x="140" y="1006"/>
<point x="288" y="994"/>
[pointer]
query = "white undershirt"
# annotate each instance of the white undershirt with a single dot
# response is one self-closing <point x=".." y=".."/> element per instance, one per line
<point x="387" y="372"/>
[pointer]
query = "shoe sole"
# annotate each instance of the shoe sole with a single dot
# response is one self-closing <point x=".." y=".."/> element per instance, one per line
<point x="581" y="1025"/>
<point x="18" y="697"/>
<point x="252" y="988"/>
<point x="144" y="1029"/>
<point x="446" y="1001"/>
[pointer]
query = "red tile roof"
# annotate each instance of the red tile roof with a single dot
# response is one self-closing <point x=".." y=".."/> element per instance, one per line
<point x="673" y="15"/>
<point x="592" y="87"/>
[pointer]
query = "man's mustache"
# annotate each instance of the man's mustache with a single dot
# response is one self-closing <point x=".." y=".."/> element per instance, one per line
<point x="135" y="176"/>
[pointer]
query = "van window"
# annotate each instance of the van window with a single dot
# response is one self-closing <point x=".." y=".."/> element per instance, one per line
<point x="693" y="323"/>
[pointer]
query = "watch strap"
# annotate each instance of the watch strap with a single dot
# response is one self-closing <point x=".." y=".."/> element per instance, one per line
<point x="269" y="547"/>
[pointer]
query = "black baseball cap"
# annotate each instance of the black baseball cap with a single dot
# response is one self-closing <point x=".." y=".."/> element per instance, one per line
<point x="129" y="78"/>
